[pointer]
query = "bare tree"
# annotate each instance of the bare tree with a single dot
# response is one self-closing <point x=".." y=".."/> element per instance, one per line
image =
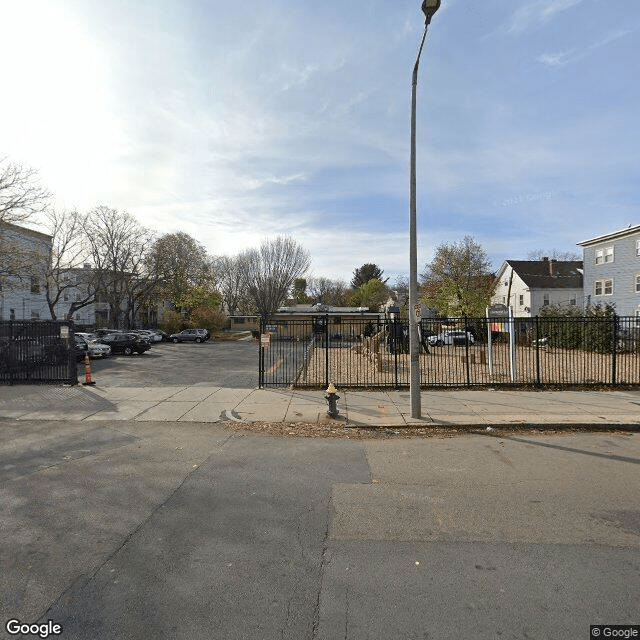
<point x="67" y="277"/>
<point x="554" y="254"/>
<point x="400" y="290"/>
<point x="327" y="291"/>
<point x="230" y="271"/>
<point x="118" y="245"/>
<point x="20" y="197"/>
<point x="20" y="192"/>
<point x="271" y="271"/>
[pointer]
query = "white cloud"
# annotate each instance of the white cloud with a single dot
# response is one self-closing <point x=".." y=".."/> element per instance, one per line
<point x="570" y="56"/>
<point x="538" y="13"/>
<point x="558" y="59"/>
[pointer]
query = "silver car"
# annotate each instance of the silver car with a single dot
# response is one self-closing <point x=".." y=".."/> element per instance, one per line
<point x="99" y="350"/>
<point x="450" y="337"/>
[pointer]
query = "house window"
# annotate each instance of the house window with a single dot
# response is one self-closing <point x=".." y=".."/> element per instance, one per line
<point x="638" y="248"/>
<point x="35" y="315"/>
<point x="12" y="314"/>
<point x="545" y="300"/>
<point x="604" y="255"/>
<point x="521" y="300"/>
<point x="638" y="284"/>
<point x="603" y="287"/>
<point x="35" y="285"/>
<point x="573" y="301"/>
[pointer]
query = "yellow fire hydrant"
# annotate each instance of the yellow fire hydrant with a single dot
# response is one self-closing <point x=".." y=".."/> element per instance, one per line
<point x="332" y="398"/>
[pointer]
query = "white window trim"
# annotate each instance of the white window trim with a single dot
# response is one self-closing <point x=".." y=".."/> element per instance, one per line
<point x="606" y="255"/>
<point x="603" y="287"/>
<point x="637" y="286"/>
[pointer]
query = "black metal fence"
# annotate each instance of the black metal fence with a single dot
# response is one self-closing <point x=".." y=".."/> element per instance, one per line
<point x="541" y="351"/>
<point x="37" y="352"/>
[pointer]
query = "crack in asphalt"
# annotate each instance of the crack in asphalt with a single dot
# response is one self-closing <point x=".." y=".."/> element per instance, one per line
<point x="83" y="580"/>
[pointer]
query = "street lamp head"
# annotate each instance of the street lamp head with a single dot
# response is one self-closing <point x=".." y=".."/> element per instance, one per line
<point x="429" y="7"/>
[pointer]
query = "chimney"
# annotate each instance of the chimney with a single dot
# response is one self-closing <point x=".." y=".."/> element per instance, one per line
<point x="551" y="265"/>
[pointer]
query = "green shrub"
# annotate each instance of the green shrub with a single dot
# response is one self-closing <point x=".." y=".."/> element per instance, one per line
<point x="573" y="328"/>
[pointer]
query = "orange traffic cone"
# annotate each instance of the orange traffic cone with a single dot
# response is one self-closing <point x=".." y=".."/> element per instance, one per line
<point x="87" y="370"/>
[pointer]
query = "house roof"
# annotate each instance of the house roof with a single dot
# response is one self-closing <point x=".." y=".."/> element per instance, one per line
<point x="547" y="274"/>
<point x="611" y="236"/>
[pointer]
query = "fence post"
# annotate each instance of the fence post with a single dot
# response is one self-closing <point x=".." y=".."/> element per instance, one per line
<point x="394" y="342"/>
<point x="537" y="351"/>
<point x="326" y="350"/>
<point x="261" y="355"/>
<point x="11" y="365"/>
<point x="466" y="350"/>
<point x="615" y="349"/>
<point x="73" y="366"/>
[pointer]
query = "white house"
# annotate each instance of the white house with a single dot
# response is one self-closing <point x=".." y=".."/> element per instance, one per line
<point x="24" y="257"/>
<point x="529" y="285"/>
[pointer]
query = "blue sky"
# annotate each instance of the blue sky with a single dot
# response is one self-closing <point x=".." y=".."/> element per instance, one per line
<point x="237" y="122"/>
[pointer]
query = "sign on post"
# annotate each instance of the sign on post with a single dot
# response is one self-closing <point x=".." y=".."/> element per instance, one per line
<point x="265" y="340"/>
<point x="505" y="323"/>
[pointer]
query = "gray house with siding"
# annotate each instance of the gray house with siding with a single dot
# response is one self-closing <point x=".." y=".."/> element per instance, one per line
<point x="612" y="270"/>
<point x="24" y="257"/>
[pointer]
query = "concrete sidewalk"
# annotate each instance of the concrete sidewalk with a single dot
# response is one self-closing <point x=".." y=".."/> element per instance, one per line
<point x="357" y="408"/>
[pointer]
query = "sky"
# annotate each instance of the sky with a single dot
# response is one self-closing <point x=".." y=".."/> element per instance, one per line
<point x="239" y="122"/>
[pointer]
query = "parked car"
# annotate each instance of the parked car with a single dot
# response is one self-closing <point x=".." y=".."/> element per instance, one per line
<point x="125" y="343"/>
<point x="99" y="349"/>
<point x="151" y="336"/>
<point x="190" y="335"/>
<point x="450" y="337"/>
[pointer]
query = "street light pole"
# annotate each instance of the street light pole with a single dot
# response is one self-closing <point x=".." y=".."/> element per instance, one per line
<point x="429" y="7"/>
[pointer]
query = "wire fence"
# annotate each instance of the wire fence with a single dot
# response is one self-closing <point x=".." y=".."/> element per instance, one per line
<point x="37" y="352"/>
<point x="457" y="352"/>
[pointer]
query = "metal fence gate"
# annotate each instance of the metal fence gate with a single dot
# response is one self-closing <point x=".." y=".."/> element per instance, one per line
<point x="37" y="352"/>
<point x="457" y="352"/>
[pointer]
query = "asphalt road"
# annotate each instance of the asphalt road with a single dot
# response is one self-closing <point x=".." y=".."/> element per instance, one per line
<point x="227" y="364"/>
<point x="148" y="530"/>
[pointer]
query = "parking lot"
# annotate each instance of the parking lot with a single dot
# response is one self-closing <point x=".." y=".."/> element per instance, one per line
<point x="214" y="363"/>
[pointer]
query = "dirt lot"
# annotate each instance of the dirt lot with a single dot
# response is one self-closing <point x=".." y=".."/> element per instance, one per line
<point x="456" y="365"/>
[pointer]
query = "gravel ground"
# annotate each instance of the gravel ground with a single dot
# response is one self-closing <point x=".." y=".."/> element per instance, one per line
<point x="448" y="366"/>
<point x="337" y="429"/>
